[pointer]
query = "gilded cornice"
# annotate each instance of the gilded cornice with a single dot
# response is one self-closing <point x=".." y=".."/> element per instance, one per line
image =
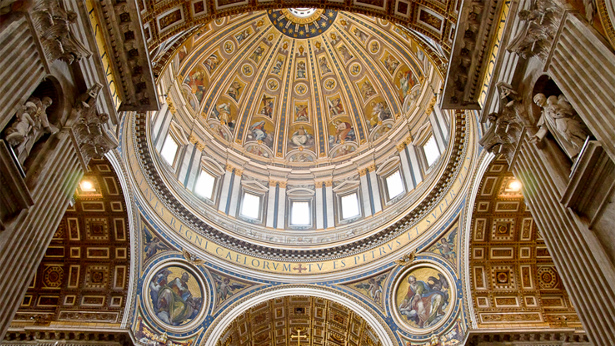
<point x="469" y="56"/>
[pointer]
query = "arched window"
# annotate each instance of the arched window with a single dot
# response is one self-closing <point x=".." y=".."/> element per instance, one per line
<point x="169" y="150"/>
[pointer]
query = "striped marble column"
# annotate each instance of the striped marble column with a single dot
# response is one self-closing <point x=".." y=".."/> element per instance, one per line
<point x="580" y="258"/>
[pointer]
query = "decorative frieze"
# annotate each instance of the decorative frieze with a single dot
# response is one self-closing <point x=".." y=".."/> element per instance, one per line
<point x="469" y="56"/>
<point x="124" y="35"/>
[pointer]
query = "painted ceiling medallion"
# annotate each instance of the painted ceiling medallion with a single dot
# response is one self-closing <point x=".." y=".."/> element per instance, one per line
<point x="176" y="295"/>
<point x="302" y="22"/>
<point x="423" y="298"/>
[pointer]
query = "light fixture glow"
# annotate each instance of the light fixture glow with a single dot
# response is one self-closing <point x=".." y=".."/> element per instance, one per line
<point x="87" y="185"/>
<point x="514" y="185"/>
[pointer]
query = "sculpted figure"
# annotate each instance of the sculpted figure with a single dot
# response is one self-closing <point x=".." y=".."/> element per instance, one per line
<point x="539" y="25"/>
<point x="19" y="131"/>
<point x="29" y="126"/>
<point x="54" y="22"/>
<point x="559" y="118"/>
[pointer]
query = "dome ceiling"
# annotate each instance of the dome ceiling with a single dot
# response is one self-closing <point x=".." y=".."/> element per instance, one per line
<point x="299" y="87"/>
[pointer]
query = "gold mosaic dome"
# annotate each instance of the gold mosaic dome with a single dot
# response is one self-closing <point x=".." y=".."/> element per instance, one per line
<point x="299" y="87"/>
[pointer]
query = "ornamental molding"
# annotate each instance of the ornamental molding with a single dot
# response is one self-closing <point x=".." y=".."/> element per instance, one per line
<point x="124" y="35"/>
<point x="73" y="335"/>
<point x="469" y="56"/>
<point x="527" y="338"/>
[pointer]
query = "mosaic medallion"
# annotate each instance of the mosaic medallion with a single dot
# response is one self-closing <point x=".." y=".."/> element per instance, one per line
<point x="176" y="295"/>
<point x="272" y="84"/>
<point x="423" y="297"/>
<point x="247" y="70"/>
<point x="330" y="84"/>
<point x="355" y="69"/>
<point x="229" y="47"/>
<point x="301" y="88"/>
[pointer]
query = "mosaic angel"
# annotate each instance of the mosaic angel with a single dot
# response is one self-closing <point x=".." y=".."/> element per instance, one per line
<point x="335" y="106"/>
<point x="301" y="113"/>
<point x="391" y="64"/>
<point x="233" y="90"/>
<point x="367" y="90"/>
<point x="211" y="63"/>
<point x="257" y="54"/>
<point x="446" y="245"/>
<point x="224" y="287"/>
<point x="267" y="106"/>
<point x="373" y="286"/>
<point x="345" y="53"/>
<point x="360" y="35"/>
<point x="242" y="36"/>
<point x="380" y="113"/>
<point x="277" y="68"/>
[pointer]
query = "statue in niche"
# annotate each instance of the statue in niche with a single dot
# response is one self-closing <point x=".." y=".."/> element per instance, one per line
<point x="560" y="119"/>
<point x="29" y="126"/>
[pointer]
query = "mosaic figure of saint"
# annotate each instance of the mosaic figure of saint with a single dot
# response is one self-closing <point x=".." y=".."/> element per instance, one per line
<point x="173" y="300"/>
<point x="301" y="138"/>
<point x="233" y="90"/>
<point x="277" y="68"/>
<point x="301" y="113"/>
<point x="324" y="65"/>
<point x="301" y="69"/>
<point x="406" y="82"/>
<point x="211" y="63"/>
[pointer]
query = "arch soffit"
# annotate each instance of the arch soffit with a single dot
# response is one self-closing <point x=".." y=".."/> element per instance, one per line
<point x="225" y="319"/>
<point x="483" y="164"/>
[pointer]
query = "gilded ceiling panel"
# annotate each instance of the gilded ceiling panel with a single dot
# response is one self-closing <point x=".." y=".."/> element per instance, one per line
<point x="163" y="21"/>
<point x="299" y="320"/>
<point x="84" y="274"/>
<point x="513" y="277"/>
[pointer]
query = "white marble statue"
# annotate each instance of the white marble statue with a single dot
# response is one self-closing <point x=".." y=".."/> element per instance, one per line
<point x="559" y="118"/>
<point x="29" y="126"/>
